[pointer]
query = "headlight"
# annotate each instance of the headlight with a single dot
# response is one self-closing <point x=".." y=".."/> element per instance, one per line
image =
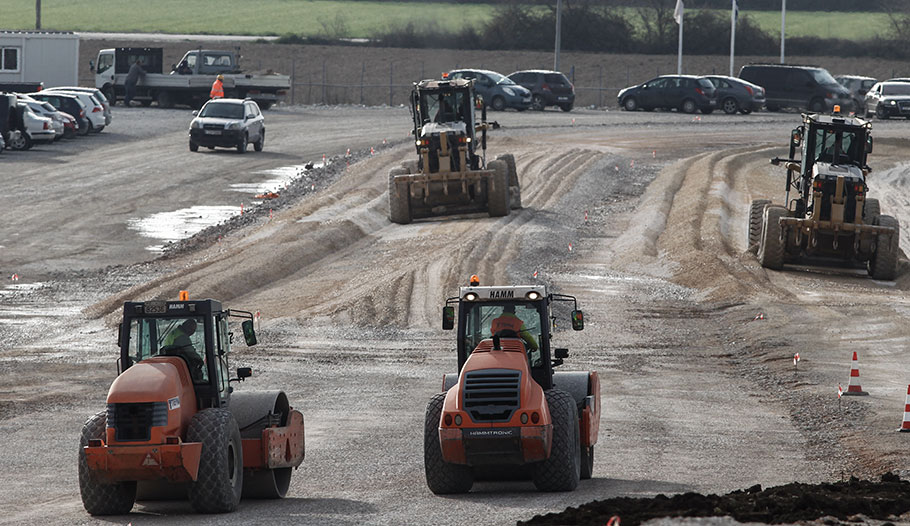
<point x="196" y="124"/>
<point x="232" y="126"/>
<point x="509" y="92"/>
<point x="893" y="103"/>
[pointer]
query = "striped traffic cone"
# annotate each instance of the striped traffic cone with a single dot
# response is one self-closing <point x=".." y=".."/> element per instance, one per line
<point x="853" y="388"/>
<point x="905" y="425"/>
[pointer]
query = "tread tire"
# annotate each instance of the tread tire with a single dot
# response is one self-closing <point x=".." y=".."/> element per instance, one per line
<point x="443" y="478"/>
<point x="219" y="485"/>
<point x="756" y="211"/>
<point x="514" y="185"/>
<point x="771" y="246"/>
<point x="688" y="106"/>
<point x="562" y="470"/>
<point x="399" y="198"/>
<point x="498" y="189"/>
<point x="193" y="146"/>
<point x="730" y="106"/>
<point x="883" y="264"/>
<point x="871" y="210"/>
<point x="99" y="498"/>
<point x="630" y="104"/>
<point x="260" y="144"/>
<point x="244" y="142"/>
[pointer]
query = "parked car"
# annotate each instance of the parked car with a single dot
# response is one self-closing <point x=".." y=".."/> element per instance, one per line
<point x="737" y="95"/>
<point x="802" y="87"/>
<point x="94" y="111"/>
<point x="498" y="91"/>
<point x="97" y="93"/>
<point x="37" y="129"/>
<point x="687" y="93"/>
<point x="57" y="121"/>
<point x="548" y="88"/>
<point x="229" y="123"/>
<point x="888" y="99"/>
<point x="858" y="86"/>
<point x="69" y="104"/>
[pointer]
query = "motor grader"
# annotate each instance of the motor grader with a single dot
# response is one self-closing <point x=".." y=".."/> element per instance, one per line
<point x="174" y="425"/>
<point x="831" y="217"/>
<point x="507" y="413"/>
<point x="451" y="174"/>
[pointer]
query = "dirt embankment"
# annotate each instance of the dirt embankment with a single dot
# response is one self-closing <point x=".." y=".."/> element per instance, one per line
<point x="374" y="75"/>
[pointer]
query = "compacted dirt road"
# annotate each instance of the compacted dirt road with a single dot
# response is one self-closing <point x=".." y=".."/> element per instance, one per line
<point x="641" y="216"/>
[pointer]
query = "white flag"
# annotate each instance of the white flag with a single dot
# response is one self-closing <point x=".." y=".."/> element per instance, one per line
<point x="678" y="12"/>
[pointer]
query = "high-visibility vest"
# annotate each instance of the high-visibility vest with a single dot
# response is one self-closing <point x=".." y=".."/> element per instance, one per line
<point x="217" y="90"/>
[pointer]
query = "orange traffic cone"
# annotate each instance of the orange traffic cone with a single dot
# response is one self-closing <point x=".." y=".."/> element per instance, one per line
<point x="853" y="388"/>
<point x="905" y="425"/>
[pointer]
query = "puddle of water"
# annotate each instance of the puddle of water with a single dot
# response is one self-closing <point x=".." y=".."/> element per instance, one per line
<point x="278" y="178"/>
<point x="180" y="224"/>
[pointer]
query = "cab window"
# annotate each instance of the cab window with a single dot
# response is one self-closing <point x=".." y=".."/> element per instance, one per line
<point x="181" y="337"/>
<point x="105" y="62"/>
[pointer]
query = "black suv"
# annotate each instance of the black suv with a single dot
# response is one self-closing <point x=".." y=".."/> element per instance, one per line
<point x="548" y="88"/>
<point x="230" y="123"/>
<point x="801" y="87"/>
<point x="687" y="93"/>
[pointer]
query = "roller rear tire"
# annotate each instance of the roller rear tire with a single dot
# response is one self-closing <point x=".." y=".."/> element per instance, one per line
<point x="562" y="470"/>
<point x="219" y="484"/>
<point x="443" y="478"/>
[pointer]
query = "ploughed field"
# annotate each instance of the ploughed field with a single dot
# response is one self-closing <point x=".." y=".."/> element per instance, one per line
<point x="698" y="395"/>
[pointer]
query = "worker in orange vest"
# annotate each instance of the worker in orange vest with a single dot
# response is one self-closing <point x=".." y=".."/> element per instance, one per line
<point x="218" y="88"/>
<point x="509" y="321"/>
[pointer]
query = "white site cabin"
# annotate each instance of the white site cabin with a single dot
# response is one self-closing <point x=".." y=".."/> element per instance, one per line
<point x="50" y="57"/>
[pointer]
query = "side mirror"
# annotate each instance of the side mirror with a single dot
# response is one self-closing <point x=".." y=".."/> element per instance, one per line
<point x="195" y="113"/>
<point x="578" y="320"/>
<point x="796" y="136"/>
<point x="559" y="354"/>
<point x="448" y="318"/>
<point x="869" y="144"/>
<point x="120" y="334"/>
<point x="248" y="333"/>
<point x="91" y="66"/>
<point x="173" y="67"/>
<point x="244" y="372"/>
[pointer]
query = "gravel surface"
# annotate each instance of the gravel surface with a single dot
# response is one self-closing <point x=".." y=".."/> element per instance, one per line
<point x="697" y="396"/>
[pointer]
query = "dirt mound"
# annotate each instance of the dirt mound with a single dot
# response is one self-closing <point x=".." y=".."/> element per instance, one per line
<point x="884" y="500"/>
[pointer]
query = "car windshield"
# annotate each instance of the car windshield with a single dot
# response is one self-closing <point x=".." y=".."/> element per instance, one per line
<point x="826" y="143"/>
<point x="222" y="110"/>
<point x="822" y="76"/>
<point x="183" y="337"/>
<point x="443" y="106"/>
<point x="896" y="89"/>
<point x="499" y="79"/>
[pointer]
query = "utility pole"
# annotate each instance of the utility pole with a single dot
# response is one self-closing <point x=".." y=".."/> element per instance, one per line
<point x="37" y="14"/>
<point x="783" y="27"/>
<point x="558" y="34"/>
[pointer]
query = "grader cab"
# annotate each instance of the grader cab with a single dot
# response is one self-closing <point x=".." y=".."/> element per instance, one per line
<point x="831" y="216"/>
<point x="451" y="174"/>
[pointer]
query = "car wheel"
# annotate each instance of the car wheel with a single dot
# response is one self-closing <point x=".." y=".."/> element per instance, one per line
<point x="880" y="112"/>
<point x="630" y="104"/>
<point x="707" y="111"/>
<point x="241" y="146"/>
<point x="498" y="103"/>
<point x="565" y="107"/>
<point x="745" y="111"/>
<point x="816" y="105"/>
<point x="109" y="93"/>
<point x="20" y="142"/>
<point x="260" y="144"/>
<point x="688" y="106"/>
<point x="537" y="103"/>
<point x="193" y="146"/>
<point x="730" y="106"/>
<point x="772" y="107"/>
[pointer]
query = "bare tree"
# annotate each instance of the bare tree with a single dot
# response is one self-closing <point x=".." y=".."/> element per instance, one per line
<point x="657" y="21"/>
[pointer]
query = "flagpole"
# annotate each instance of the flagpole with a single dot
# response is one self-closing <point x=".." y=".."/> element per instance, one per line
<point x="679" y="52"/>
<point x="732" y="35"/>
<point x="783" y="27"/>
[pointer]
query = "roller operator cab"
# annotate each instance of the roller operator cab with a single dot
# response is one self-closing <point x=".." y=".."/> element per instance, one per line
<point x="830" y="215"/>
<point x="174" y="426"/>
<point x="507" y="413"/>
<point x="451" y="174"/>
